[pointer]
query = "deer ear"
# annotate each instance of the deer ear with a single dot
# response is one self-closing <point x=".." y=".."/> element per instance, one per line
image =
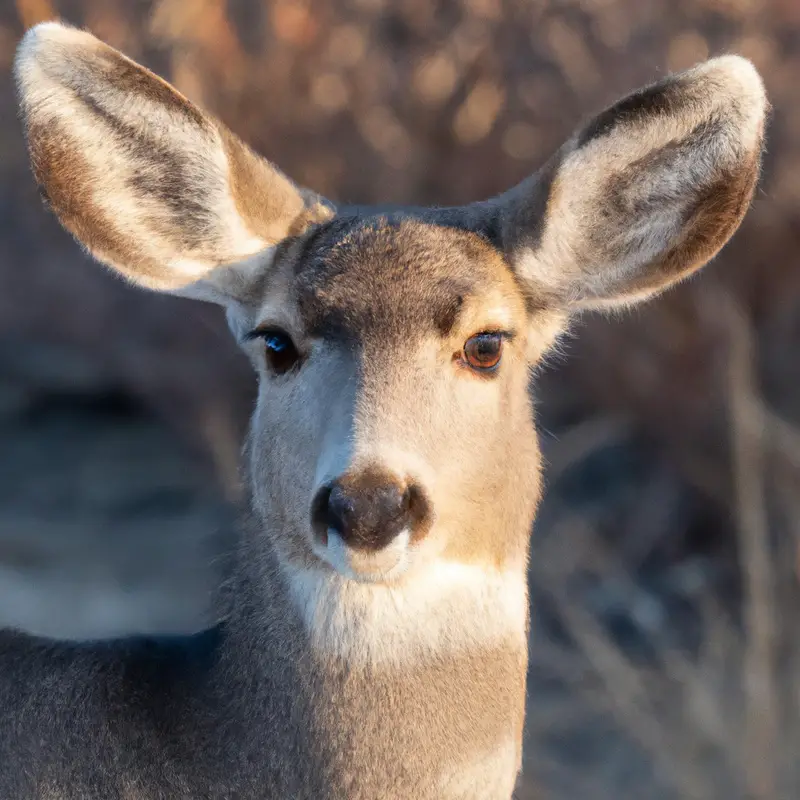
<point x="643" y="195"/>
<point x="146" y="181"/>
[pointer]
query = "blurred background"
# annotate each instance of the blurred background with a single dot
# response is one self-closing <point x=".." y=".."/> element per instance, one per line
<point x="665" y="658"/>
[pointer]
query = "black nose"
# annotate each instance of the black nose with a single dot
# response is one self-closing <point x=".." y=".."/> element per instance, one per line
<point x="368" y="509"/>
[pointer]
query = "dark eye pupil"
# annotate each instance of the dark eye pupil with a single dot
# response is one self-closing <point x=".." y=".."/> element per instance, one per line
<point x="487" y="346"/>
<point x="282" y="355"/>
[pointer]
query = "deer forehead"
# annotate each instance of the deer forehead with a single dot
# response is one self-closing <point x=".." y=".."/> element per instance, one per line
<point x="379" y="278"/>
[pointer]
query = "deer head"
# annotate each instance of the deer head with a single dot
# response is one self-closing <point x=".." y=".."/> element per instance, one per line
<point x="393" y="425"/>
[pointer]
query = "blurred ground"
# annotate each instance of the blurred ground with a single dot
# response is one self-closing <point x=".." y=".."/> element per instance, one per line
<point x="664" y="657"/>
<point x="107" y="525"/>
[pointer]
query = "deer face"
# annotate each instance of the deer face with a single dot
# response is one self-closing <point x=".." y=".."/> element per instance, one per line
<point x="393" y="424"/>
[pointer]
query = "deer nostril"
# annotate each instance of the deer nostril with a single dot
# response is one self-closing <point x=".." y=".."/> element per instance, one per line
<point x="319" y="514"/>
<point x="417" y="508"/>
<point x="342" y="512"/>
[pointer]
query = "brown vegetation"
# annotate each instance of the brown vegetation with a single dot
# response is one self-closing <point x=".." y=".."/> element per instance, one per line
<point x="446" y="102"/>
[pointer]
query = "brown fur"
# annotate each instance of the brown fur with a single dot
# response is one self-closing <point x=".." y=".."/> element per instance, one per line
<point x="394" y="670"/>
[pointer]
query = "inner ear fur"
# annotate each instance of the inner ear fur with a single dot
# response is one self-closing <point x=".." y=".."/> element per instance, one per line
<point x="644" y="194"/>
<point x="145" y="180"/>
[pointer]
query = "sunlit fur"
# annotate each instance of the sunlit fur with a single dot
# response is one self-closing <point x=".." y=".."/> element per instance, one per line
<point x="339" y="671"/>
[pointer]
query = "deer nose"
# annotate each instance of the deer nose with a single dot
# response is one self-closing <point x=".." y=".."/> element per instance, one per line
<point x="368" y="510"/>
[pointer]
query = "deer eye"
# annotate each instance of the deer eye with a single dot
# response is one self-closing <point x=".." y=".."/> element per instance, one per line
<point x="281" y="352"/>
<point x="483" y="351"/>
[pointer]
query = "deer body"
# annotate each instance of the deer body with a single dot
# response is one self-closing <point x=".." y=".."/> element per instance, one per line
<point x="251" y="709"/>
<point x="373" y="635"/>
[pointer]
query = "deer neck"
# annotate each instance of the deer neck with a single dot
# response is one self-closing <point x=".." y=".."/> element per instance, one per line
<point x="416" y="685"/>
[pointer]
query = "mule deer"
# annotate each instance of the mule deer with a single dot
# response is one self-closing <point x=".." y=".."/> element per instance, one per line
<point x="373" y="641"/>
